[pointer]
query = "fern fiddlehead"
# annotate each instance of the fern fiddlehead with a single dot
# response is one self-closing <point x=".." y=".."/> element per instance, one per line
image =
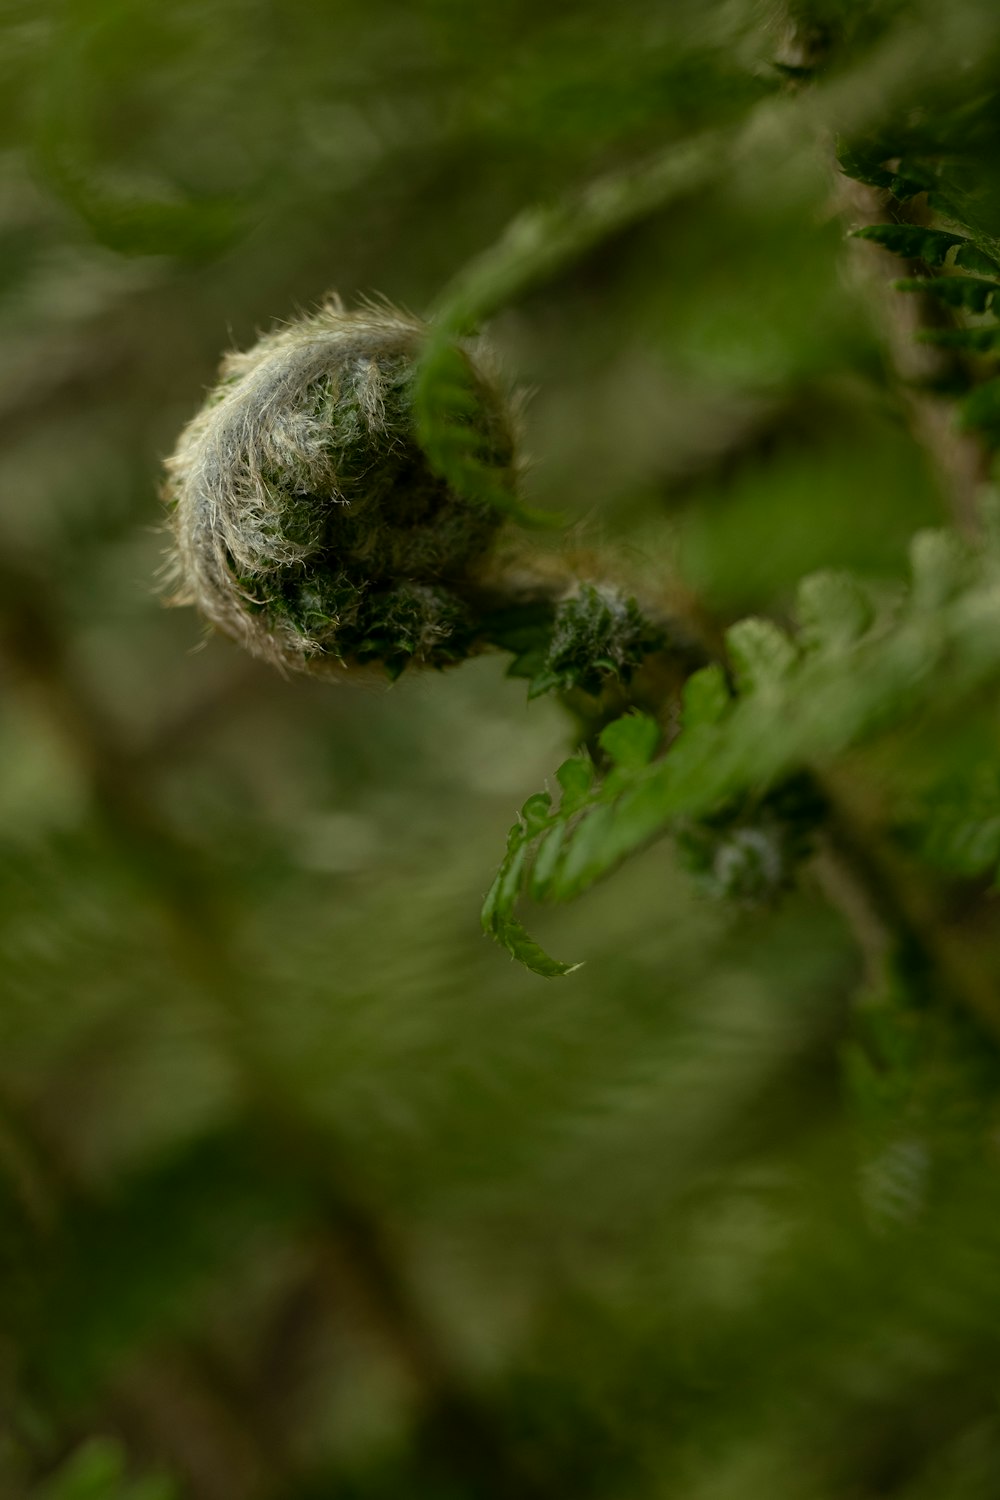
<point x="308" y="523"/>
<point x="315" y="523"/>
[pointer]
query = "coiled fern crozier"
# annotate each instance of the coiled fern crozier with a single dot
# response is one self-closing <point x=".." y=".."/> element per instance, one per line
<point x="311" y="524"/>
<point x="308" y="522"/>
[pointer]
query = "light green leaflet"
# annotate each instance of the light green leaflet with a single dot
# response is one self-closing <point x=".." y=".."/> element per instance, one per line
<point x="844" y="677"/>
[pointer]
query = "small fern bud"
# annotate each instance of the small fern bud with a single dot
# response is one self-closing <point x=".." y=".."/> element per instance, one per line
<point x="308" y="523"/>
<point x="749" y="853"/>
<point x="599" y="634"/>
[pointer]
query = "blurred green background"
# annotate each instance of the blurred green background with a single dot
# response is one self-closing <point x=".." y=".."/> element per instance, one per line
<point x="307" y="1191"/>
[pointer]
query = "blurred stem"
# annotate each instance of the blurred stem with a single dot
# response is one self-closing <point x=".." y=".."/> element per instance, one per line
<point x="896" y="920"/>
<point x="890" y="942"/>
<point x="543" y="240"/>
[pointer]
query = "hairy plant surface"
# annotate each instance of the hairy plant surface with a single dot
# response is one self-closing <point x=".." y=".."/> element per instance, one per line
<point x="685" y="1181"/>
<point x="309" y="523"/>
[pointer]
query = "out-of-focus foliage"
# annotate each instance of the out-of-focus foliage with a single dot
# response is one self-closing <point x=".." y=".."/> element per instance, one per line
<point x="304" y="1189"/>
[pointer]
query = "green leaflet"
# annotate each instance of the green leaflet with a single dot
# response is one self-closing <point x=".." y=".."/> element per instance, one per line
<point x="959" y="826"/>
<point x="798" y="703"/>
<point x="761" y="654"/>
<point x="444" y="403"/>
<point x="630" y="742"/>
<point x="705" y="697"/>
<point x="833" y="611"/>
<point x="980" y="411"/>
<point x="933" y="246"/>
<point x="537" y="845"/>
<point x="498" y="917"/>
<point x="984" y="340"/>
<point x="879" y="164"/>
<point x="940" y="250"/>
<point x="941" y="567"/>
<point x="969" y="293"/>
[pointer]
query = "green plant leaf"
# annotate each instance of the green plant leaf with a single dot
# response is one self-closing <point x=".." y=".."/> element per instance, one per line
<point x="984" y="340"/>
<point x="630" y="742"/>
<point x="498" y="918"/>
<point x="970" y="293"/>
<point x="794" y="709"/>
<point x="980" y="411"/>
<point x="705" y="697"/>
<point x="863" y="162"/>
<point x="933" y="246"/>
<point x="941" y="567"/>
<point x="878" y="163"/>
<point x="761" y="653"/>
<point x="522" y="947"/>
<point x="444" y="402"/>
<point x="576" y="777"/>
<point x="536" y="812"/>
<point x="833" y="611"/>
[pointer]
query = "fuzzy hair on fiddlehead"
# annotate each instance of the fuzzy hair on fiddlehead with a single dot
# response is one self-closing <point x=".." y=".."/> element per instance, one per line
<point x="307" y="519"/>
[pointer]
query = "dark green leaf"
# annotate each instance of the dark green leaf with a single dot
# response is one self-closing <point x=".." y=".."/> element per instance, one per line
<point x="975" y="340"/>
<point x="980" y="411"/>
<point x="913" y="241"/>
<point x="971" y="293"/>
